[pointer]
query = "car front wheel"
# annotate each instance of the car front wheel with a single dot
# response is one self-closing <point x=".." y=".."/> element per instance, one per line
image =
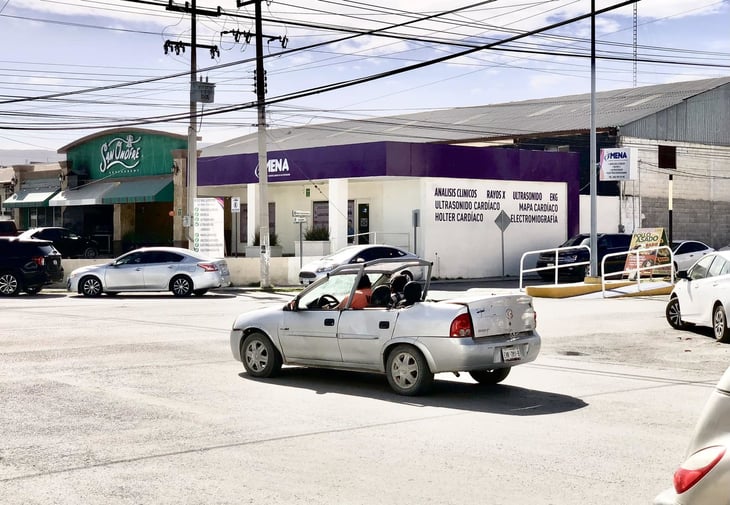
<point x="260" y="358"/>
<point x="90" y="286"/>
<point x="490" y="376"/>
<point x="90" y="252"/>
<point x="181" y="286"/>
<point x="719" y="324"/>
<point x="9" y="284"/>
<point x="407" y="371"/>
<point x="674" y="315"/>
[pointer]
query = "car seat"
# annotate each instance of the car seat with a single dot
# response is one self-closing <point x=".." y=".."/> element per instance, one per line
<point x="411" y="294"/>
<point x="380" y="297"/>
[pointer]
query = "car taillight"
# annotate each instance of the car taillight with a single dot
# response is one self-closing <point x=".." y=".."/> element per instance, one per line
<point x="208" y="267"/>
<point x="461" y="326"/>
<point x="39" y="260"/>
<point x="697" y="466"/>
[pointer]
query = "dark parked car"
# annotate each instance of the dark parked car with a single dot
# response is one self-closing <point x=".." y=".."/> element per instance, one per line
<point x="607" y="243"/>
<point x="67" y="242"/>
<point x="8" y="228"/>
<point x="27" y="265"/>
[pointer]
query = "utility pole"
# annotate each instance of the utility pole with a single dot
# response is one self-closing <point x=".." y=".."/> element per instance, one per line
<point x="265" y="253"/>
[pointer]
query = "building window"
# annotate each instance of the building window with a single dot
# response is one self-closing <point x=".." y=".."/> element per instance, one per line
<point x="668" y="157"/>
<point x="243" y="221"/>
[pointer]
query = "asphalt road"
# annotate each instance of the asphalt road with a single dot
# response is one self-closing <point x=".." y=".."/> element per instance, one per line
<point x="136" y="400"/>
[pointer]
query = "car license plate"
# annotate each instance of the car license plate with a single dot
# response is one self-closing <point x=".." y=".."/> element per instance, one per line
<point x="511" y="353"/>
<point x="550" y="264"/>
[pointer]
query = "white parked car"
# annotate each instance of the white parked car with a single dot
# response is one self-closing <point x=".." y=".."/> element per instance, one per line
<point x="701" y="296"/>
<point x="182" y="271"/>
<point x="353" y="254"/>
<point x="409" y="340"/>
<point x="686" y="252"/>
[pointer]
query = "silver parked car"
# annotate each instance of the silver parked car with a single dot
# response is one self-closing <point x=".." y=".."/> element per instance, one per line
<point x="703" y="478"/>
<point x="701" y="296"/>
<point x="409" y="340"/>
<point x="182" y="271"/>
<point x="353" y="254"/>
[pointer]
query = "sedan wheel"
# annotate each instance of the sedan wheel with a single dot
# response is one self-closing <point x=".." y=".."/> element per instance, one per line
<point x="9" y="284"/>
<point x="181" y="286"/>
<point x="719" y="325"/>
<point x="490" y="376"/>
<point x="90" y="286"/>
<point x="407" y="371"/>
<point x="260" y="358"/>
<point x="90" y="252"/>
<point x="674" y="314"/>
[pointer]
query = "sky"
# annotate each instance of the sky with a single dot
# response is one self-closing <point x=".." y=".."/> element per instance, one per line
<point x="71" y="68"/>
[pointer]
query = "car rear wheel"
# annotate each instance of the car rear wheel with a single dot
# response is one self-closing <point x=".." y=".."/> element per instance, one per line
<point x="674" y="314"/>
<point x="260" y="357"/>
<point x="181" y="285"/>
<point x="9" y="284"/>
<point x="490" y="376"/>
<point x="90" y="286"/>
<point x="719" y="324"/>
<point x="407" y="371"/>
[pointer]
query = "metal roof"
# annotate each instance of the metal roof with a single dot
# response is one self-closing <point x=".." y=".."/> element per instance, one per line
<point x="562" y="114"/>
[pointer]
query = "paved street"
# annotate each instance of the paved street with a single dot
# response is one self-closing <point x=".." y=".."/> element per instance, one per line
<point x="136" y="400"/>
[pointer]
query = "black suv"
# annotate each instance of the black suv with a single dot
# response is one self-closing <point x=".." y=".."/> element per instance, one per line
<point x="27" y="265"/>
<point x="607" y="243"/>
<point x="69" y="244"/>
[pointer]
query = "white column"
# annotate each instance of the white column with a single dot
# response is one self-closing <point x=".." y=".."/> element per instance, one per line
<point x="338" y="194"/>
<point x="252" y="201"/>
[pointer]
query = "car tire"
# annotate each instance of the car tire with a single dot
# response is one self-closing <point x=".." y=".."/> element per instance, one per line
<point x="673" y="313"/>
<point x="200" y="292"/>
<point x="719" y="324"/>
<point x="90" y="286"/>
<point x="407" y="371"/>
<point x="90" y="252"/>
<point x="181" y="285"/>
<point x="260" y="358"/>
<point x="9" y="284"/>
<point x="490" y="377"/>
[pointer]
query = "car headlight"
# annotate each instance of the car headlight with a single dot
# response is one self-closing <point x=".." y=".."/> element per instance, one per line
<point x="571" y="258"/>
<point x="324" y="269"/>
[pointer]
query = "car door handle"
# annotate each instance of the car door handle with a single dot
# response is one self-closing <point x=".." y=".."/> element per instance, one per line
<point x="329" y="322"/>
<point x="383" y="325"/>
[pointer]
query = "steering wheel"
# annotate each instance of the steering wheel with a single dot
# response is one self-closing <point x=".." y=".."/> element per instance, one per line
<point x="327" y="301"/>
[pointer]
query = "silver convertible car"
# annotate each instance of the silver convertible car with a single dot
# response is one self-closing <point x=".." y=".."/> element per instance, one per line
<point x="404" y="335"/>
<point x="182" y="271"/>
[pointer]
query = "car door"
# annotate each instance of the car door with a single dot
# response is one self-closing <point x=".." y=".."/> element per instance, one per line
<point x="125" y="273"/>
<point x="362" y="332"/>
<point x="699" y="280"/>
<point x="309" y="333"/>
<point x="159" y="267"/>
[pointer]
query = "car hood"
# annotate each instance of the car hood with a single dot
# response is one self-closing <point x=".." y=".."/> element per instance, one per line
<point x="313" y="266"/>
<point x="499" y="314"/>
<point x="267" y="318"/>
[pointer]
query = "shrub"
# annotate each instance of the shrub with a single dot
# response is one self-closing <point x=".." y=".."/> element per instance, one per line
<point x="273" y="239"/>
<point x="317" y="233"/>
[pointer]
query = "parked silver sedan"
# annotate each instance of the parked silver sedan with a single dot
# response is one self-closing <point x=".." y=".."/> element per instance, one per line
<point x="182" y="271"/>
<point x="703" y="478"/>
<point x="404" y="335"/>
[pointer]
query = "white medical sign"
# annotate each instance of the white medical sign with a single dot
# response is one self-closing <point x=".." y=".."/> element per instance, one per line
<point x="618" y="164"/>
<point x="208" y="233"/>
<point x="235" y="205"/>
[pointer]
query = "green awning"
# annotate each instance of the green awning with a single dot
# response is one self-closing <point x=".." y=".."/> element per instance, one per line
<point x="29" y="198"/>
<point x="88" y="194"/>
<point x="158" y="189"/>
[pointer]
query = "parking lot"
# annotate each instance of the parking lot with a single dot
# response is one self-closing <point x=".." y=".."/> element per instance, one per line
<point x="136" y="399"/>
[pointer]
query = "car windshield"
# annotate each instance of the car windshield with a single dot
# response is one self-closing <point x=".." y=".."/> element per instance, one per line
<point x="341" y="256"/>
<point x="577" y="240"/>
<point x="338" y="286"/>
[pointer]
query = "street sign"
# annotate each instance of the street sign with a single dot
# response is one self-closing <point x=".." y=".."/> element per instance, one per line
<point x="298" y="219"/>
<point x="235" y="204"/>
<point x="300" y="213"/>
<point x="503" y="220"/>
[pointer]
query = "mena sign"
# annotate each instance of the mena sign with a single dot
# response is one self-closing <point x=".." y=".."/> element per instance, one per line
<point x="120" y="152"/>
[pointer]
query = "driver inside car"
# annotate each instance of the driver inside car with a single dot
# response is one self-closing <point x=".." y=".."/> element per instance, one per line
<point x="361" y="297"/>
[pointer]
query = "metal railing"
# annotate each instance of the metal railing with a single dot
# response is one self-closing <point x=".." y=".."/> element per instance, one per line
<point x="556" y="266"/>
<point x="639" y="268"/>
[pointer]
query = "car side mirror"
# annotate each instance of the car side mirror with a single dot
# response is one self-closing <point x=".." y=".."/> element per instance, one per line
<point x="292" y="305"/>
<point x="682" y="275"/>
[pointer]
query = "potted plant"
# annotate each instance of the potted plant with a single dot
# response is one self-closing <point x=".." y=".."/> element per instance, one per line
<point x="255" y="249"/>
<point x="316" y="242"/>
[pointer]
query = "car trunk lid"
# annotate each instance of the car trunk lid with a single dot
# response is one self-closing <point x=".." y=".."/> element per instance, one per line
<point x="499" y="314"/>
